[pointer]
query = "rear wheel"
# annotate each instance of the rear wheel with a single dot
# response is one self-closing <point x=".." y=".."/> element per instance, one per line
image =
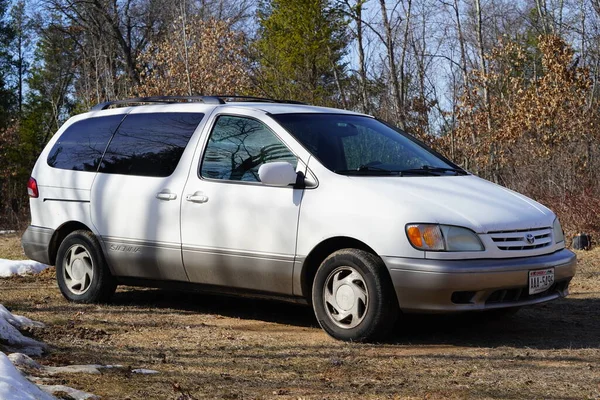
<point x="81" y="272"/>
<point x="353" y="297"/>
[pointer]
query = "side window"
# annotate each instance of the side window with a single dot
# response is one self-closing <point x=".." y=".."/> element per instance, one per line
<point x="238" y="146"/>
<point x="149" y="144"/>
<point x="81" y="145"/>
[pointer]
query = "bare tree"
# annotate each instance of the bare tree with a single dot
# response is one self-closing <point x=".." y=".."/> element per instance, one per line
<point x="390" y="45"/>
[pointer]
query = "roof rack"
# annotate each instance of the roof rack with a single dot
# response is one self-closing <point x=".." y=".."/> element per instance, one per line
<point x="258" y="99"/>
<point x="218" y="99"/>
<point x="159" y="100"/>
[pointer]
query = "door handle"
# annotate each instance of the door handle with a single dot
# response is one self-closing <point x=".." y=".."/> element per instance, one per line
<point x="197" y="197"/>
<point x="166" y="195"/>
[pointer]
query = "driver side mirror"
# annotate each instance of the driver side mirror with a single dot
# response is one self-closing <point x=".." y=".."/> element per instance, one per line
<point x="277" y="173"/>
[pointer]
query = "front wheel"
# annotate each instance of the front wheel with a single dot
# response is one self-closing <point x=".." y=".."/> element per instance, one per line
<point x="81" y="272"/>
<point x="353" y="297"/>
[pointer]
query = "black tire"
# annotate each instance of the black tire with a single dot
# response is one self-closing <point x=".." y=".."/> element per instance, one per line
<point x="365" y="293"/>
<point x="81" y="271"/>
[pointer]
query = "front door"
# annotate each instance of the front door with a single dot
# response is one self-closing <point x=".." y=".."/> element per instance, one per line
<point x="236" y="231"/>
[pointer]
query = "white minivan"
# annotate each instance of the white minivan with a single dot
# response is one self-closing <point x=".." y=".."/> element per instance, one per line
<point x="318" y="205"/>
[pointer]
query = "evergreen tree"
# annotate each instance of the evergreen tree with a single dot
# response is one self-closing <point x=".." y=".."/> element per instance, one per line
<point x="49" y="100"/>
<point x="6" y="95"/>
<point x="300" y="51"/>
<point x="21" y="26"/>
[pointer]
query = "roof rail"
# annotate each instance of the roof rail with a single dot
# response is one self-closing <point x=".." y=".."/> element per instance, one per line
<point x="259" y="99"/>
<point x="160" y="100"/>
<point x="217" y="99"/>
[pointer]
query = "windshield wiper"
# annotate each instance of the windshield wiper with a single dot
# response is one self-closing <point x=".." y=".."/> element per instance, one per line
<point x="427" y="170"/>
<point x="372" y="168"/>
<point x="366" y="171"/>
<point x="430" y="170"/>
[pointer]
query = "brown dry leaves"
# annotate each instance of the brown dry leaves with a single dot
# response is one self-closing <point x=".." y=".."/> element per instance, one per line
<point x="539" y="110"/>
<point x="540" y="133"/>
<point x="201" y="57"/>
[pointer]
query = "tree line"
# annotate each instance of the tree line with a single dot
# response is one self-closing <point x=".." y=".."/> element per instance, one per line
<point x="507" y="89"/>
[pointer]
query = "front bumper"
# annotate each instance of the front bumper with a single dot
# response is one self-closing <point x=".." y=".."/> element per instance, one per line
<point x="36" y="243"/>
<point x="425" y="285"/>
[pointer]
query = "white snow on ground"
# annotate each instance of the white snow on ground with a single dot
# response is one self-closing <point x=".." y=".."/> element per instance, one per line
<point x="7" y="232"/>
<point x="73" y="393"/>
<point x="144" y="371"/>
<point x="23" y="361"/>
<point x="20" y="267"/>
<point x="15" y="370"/>
<point x="18" y="321"/>
<point x="9" y="333"/>
<point x="14" y="386"/>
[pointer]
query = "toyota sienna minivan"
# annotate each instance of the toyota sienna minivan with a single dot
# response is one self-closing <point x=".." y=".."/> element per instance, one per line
<point x="318" y="205"/>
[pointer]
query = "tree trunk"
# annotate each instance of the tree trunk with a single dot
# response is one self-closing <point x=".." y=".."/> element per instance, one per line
<point x="482" y="64"/>
<point x="461" y="42"/>
<point x="402" y="62"/>
<point x="389" y="45"/>
<point x="540" y="6"/>
<point x="185" y="48"/>
<point x="362" y="71"/>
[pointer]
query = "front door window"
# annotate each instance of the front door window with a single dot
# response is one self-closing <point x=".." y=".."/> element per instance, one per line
<point x="238" y="146"/>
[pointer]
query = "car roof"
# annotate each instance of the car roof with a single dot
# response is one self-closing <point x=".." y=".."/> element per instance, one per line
<point x="285" y="108"/>
<point x="207" y="103"/>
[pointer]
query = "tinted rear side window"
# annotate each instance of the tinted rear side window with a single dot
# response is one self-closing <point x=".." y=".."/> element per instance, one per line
<point x="149" y="144"/>
<point x="81" y="145"/>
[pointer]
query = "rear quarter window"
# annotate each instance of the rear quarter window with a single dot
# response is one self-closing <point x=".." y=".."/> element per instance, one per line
<point x="81" y="146"/>
<point x="149" y="144"/>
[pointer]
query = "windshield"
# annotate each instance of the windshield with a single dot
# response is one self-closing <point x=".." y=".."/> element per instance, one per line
<point x="360" y="145"/>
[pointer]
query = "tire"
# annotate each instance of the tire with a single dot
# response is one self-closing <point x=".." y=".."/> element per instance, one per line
<point x="81" y="272"/>
<point x="353" y="297"/>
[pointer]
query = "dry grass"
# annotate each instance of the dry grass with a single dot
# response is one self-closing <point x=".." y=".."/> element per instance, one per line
<point x="10" y="247"/>
<point x="217" y="347"/>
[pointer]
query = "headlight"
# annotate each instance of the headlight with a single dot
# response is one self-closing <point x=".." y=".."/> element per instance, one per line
<point x="559" y="235"/>
<point x="435" y="237"/>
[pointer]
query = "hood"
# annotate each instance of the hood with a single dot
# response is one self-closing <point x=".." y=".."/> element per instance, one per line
<point x="466" y="201"/>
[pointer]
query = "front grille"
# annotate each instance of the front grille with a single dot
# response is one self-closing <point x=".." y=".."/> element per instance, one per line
<point x="522" y="294"/>
<point x="517" y="240"/>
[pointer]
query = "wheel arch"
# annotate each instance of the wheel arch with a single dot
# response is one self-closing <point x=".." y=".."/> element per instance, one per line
<point x="320" y="252"/>
<point x="60" y="234"/>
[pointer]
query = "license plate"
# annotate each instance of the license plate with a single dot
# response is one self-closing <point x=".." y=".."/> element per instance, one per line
<point x="540" y="280"/>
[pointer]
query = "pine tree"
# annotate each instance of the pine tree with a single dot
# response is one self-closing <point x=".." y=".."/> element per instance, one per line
<point x="301" y="48"/>
<point x="7" y="99"/>
<point x="21" y="26"/>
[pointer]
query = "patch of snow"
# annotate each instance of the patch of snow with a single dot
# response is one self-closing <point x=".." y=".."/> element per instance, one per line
<point x="144" y="371"/>
<point x="20" y="267"/>
<point x="72" y="393"/>
<point x="7" y="231"/>
<point x="19" y="321"/>
<point x="74" y="369"/>
<point x="14" y="386"/>
<point x="21" y="360"/>
<point x="9" y="333"/>
<point x="25" y="362"/>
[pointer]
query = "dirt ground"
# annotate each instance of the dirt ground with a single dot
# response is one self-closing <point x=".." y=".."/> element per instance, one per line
<point x="208" y="346"/>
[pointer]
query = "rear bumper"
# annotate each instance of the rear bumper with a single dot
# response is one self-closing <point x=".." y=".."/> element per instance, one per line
<point x="424" y="285"/>
<point x="36" y="243"/>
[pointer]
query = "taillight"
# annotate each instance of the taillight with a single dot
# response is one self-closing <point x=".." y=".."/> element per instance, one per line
<point x="32" y="188"/>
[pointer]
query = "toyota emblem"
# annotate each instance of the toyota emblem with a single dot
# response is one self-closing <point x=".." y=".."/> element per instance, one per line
<point x="530" y="238"/>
